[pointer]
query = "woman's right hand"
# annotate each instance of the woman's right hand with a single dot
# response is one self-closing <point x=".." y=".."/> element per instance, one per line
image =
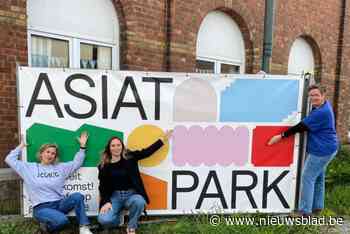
<point x="106" y="207"/>
<point x="275" y="139"/>
<point x="83" y="139"/>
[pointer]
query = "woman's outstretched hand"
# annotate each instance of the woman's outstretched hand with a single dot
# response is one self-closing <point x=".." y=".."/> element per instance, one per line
<point x="274" y="139"/>
<point x="83" y="139"/>
<point x="167" y="135"/>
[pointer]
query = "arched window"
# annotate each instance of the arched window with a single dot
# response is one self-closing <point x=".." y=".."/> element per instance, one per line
<point x="301" y="58"/>
<point x="220" y="45"/>
<point x="77" y="34"/>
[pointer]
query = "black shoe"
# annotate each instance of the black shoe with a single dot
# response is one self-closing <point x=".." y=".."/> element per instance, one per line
<point x="44" y="229"/>
<point x="316" y="211"/>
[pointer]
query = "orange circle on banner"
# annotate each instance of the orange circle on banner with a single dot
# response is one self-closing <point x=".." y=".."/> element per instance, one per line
<point x="142" y="137"/>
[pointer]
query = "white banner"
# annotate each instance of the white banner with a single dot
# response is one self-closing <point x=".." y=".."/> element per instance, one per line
<point x="217" y="160"/>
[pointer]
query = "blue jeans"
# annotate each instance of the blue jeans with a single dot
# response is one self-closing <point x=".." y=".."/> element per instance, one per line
<point x="53" y="214"/>
<point x="135" y="204"/>
<point x="313" y="183"/>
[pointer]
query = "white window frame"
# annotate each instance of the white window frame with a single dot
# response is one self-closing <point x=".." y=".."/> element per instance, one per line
<point x="208" y="60"/>
<point x="76" y="52"/>
<point x="74" y="47"/>
<point x="218" y="62"/>
<point x="51" y="36"/>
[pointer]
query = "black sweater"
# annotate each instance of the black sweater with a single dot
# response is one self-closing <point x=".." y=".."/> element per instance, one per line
<point x="300" y="127"/>
<point x="105" y="176"/>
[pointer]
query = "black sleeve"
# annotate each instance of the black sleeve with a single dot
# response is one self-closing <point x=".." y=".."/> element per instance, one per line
<point x="144" y="153"/>
<point x="104" y="187"/>
<point x="300" y="127"/>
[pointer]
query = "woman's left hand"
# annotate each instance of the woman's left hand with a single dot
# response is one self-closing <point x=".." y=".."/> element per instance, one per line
<point x="83" y="139"/>
<point x="275" y="139"/>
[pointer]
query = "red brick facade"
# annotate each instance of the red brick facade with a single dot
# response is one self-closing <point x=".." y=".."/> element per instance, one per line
<point x="13" y="50"/>
<point x="160" y="35"/>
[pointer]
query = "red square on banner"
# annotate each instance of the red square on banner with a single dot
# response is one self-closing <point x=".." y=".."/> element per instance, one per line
<point x="277" y="155"/>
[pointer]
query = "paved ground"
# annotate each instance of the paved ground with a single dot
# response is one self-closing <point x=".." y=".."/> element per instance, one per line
<point x="345" y="228"/>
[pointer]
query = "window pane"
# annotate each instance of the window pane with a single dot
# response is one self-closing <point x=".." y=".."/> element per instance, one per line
<point x="204" y="66"/>
<point x="94" y="56"/>
<point x="229" y="69"/>
<point x="49" y="52"/>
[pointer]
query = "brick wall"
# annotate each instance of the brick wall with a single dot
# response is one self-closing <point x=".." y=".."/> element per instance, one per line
<point x="13" y="49"/>
<point x="145" y="38"/>
<point x="186" y="20"/>
<point x="143" y="35"/>
<point x="343" y="110"/>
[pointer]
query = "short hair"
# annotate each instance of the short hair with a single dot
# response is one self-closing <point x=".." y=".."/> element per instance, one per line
<point x="322" y="89"/>
<point x="46" y="146"/>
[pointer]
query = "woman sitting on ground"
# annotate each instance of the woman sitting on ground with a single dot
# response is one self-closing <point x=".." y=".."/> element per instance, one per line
<point x="44" y="183"/>
<point x="121" y="185"/>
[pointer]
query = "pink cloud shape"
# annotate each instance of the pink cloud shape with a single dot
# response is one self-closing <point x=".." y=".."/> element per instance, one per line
<point x="210" y="145"/>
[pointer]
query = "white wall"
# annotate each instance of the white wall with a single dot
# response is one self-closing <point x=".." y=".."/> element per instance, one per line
<point x="85" y="19"/>
<point x="301" y="58"/>
<point x="220" y="38"/>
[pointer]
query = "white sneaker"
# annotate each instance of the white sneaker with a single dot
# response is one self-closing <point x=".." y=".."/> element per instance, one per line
<point x="84" y="230"/>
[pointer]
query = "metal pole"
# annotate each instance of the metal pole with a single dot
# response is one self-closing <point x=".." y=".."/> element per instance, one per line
<point x="308" y="80"/>
<point x="268" y="34"/>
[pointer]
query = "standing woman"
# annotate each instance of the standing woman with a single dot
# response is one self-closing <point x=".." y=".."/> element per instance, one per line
<point x="121" y="185"/>
<point x="322" y="146"/>
<point x="44" y="183"/>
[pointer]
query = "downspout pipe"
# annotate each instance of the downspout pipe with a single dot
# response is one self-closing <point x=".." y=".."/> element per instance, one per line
<point x="338" y="68"/>
<point x="167" y="44"/>
<point x="268" y="34"/>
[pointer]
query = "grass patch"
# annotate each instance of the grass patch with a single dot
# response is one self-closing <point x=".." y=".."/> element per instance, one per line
<point x="338" y="199"/>
<point x="338" y="183"/>
<point x="23" y="226"/>
<point x="184" y="225"/>
<point x="201" y="225"/>
<point x="338" y="171"/>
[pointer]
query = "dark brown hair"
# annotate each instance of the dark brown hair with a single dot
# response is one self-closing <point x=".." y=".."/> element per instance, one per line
<point x="322" y="89"/>
<point x="107" y="155"/>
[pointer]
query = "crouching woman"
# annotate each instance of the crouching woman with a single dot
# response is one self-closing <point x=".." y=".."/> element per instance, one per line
<point x="121" y="185"/>
<point x="44" y="183"/>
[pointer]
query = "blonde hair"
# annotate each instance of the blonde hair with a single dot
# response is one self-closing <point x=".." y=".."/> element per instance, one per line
<point x="45" y="147"/>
